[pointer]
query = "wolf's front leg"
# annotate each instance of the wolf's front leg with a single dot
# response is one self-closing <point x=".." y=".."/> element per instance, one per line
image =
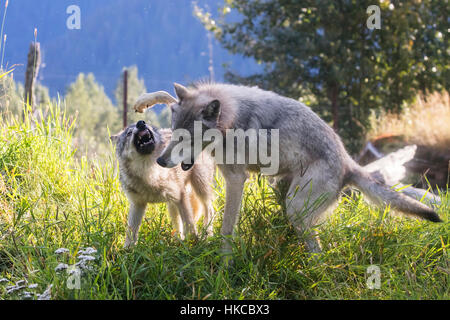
<point x="234" y="181"/>
<point x="135" y="216"/>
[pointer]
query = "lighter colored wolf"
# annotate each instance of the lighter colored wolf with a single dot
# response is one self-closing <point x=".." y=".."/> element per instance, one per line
<point x="313" y="163"/>
<point x="187" y="193"/>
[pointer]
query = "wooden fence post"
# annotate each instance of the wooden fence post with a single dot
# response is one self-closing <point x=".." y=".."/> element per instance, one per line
<point x="125" y="97"/>
<point x="33" y="64"/>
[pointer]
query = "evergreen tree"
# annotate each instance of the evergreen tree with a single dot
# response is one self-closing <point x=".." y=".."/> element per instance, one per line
<point x="11" y="96"/>
<point x="164" y="118"/>
<point x="136" y="87"/>
<point x="42" y="95"/>
<point x="94" y="112"/>
<point x="324" y="52"/>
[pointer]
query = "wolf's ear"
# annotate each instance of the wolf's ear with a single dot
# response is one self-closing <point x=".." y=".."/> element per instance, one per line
<point x="114" y="138"/>
<point x="181" y="91"/>
<point x="211" y="112"/>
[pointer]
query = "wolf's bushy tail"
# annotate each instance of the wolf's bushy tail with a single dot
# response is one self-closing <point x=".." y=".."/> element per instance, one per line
<point x="383" y="194"/>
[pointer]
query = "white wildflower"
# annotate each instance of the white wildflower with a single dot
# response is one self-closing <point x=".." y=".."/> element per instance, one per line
<point x="20" y="283"/>
<point x="74" y="270"/>
<point x="61" y="250"/>
<point x="32" y="286"/>
<point x="61" y="266"/>
<point x="86" y="258"/>
<point x="26" y="295"/>
<point x="47" y="294"/>
<point x="83" y="265"/>
<point x="87" y="251"/>
<point x="11" y="289"/>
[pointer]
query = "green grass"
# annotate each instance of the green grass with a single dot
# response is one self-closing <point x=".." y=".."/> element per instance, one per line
<point x="49" y="199"/>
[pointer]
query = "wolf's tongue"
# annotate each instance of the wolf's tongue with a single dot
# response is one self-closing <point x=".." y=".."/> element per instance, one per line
<point x="144" y="136"/>
<point x="142" y="133"/>
<point x="186" y="166"/>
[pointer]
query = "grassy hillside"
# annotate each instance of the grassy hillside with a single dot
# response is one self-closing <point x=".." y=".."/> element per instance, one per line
<point x="51" y="200"/>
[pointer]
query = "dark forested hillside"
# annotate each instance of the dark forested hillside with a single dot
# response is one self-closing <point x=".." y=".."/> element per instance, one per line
<point x="161" y="37"/>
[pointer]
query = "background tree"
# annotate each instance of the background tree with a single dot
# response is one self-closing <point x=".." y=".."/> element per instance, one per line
<point x="11" y="96"/>
<point x="42" y="95"/>
<point x="94" y="111"/>
<point x="165" y="118"/>
<point x="323" y="52"/>
<point x="136" y="87"/>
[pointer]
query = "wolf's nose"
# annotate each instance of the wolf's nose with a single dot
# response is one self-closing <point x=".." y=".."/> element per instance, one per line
<point x="161" y="162"/>
<point x="141" y="125"/>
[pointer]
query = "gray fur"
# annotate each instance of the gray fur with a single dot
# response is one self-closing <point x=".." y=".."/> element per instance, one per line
<point x="312" y="157"/>
<point x="187" y="194"/>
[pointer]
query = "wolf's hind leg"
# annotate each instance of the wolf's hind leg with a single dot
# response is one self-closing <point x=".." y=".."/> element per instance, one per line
<point x="308" y="198"/>
<point x="204" y="191"/>
<point x="208" y="219"/>
<point x="208" y="212"/>
<point x="196" y="205"/>
<point x="175" y="218"/>
<point x="187" y="216"/>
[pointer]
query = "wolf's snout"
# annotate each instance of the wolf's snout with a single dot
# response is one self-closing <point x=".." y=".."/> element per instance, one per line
<point x="161" y="162"/>
<point x="141" y="125"/>
<point x="143" y="138"/>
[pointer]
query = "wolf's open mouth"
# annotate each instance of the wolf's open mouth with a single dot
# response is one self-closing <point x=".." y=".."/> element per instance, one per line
<point x="144" y="141"/>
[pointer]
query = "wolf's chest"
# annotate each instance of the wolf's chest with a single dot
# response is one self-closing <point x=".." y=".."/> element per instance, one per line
<point x="148" y="187"/>
<point x="156" y="193"/>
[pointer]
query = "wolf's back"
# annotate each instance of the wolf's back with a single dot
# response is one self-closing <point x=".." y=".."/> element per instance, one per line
<point x="383" y="194"/>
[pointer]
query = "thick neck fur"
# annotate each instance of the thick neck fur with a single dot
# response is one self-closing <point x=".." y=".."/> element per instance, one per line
<point x="207" y="92"/>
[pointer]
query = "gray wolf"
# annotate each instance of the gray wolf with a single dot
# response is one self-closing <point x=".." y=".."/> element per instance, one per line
<point x="313" y="162"/>
<point x="188" y="194"/>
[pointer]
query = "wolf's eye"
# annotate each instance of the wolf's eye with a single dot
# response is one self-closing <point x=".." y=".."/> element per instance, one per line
<point x="129" y="133"/>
